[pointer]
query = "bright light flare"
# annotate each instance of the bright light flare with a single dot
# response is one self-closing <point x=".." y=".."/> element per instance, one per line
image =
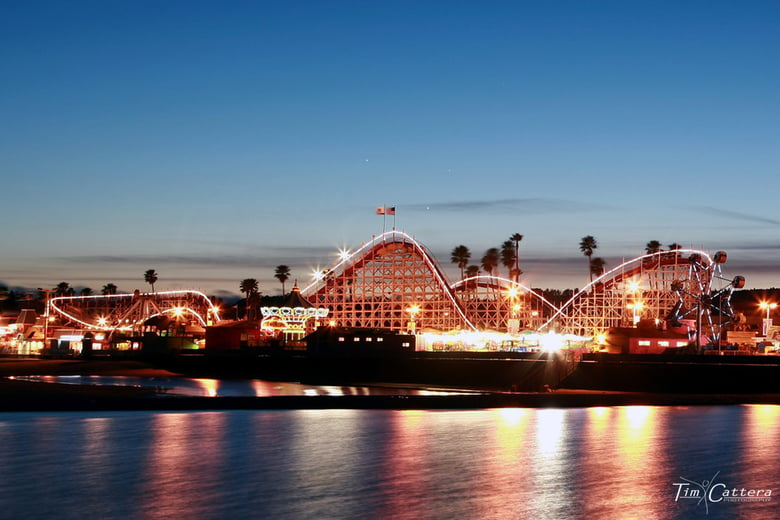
<point x="551" y="341"/>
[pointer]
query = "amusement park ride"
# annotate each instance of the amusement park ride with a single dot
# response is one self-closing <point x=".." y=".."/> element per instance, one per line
<point x="131" y="313"/>
<point x="393" y="282"/>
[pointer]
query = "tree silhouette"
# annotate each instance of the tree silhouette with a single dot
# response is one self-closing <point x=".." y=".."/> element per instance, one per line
<point x="109" y="288"/>
<point x="597" y="266"/>
<point x="490" y="260"/>
<point x="508" y="258"/>
<point x="249" y="286"/>
<point x="86" y="291"/>
<point x="460" y="256"/>
<point x="517" y="238"/>
<point x="63" y="289"/>
<point x="653" y="246"/>
<point x="282" y="274"/>
<point x="587" y="245"/>
<point x="150" y="277"/>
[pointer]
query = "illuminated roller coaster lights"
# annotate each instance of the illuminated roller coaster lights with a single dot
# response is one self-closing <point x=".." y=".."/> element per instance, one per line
<point x="345" y="256"/>
<point x="102" y="322"/>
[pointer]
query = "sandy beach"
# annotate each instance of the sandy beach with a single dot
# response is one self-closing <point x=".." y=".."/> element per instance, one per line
<point x="16" y="395"/>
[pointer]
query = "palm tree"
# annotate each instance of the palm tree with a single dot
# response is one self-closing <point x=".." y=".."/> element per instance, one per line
<point x="516" y="238"/>
<point x="490" y="260"/>
<point x="282" y="274"/>
<point x="597" y="266"/>
<point x="63" y="289"/>
<point x="150" y="277"/>
<point x="508" y="258"/>
<point x="460" y="256"/>
<point x="86" y="291"/>
<point x="109" y="288"/>
<point x="653" y="246"/>
<point x="249" y="287"/>
<point x="587" y="245"/>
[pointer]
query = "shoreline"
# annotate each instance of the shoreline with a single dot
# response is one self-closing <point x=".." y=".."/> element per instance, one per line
<point x="21" y="396"/>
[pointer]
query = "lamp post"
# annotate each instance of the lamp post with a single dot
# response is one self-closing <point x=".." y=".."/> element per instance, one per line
<point x="636" y="311"/>
<point x="767" y="322"/>
<point x="47" y="296"/>
<point x="412" y="310"/>
<point x="513" y="323"/>
<point x="636" y="305"/>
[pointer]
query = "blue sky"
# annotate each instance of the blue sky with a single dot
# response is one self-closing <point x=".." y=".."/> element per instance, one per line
<point x="212" y="141"/>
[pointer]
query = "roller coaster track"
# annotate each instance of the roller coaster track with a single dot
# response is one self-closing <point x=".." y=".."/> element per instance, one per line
<point x="683" y="284"/>
<point x="390" y="282"/>
<point x="491" y="302"/>
<point x="130" y="311"/>
<point x="380" y="283"/>
<point x="394" y="282"/>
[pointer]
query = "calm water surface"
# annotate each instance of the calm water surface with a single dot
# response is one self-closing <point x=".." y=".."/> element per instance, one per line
<point x="591" y="463"/>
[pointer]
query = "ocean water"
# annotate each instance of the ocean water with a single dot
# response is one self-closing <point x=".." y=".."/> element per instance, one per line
<point x="590" y="463"/>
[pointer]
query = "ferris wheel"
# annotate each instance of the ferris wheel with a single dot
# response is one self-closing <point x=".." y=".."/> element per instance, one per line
<point x="704" y="297"/>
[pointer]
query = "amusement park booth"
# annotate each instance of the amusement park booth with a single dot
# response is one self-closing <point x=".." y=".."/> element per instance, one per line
<point x="234" y="335"/>
<point x="358" y="342"/>
<point x="643" y="340"/>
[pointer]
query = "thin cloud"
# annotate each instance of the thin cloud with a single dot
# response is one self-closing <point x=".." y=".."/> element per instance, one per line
<point x="277" y="255"/>
<point x="720" y="212"/>
<point x="737" y="245"/>
<point x="529" y="206"/>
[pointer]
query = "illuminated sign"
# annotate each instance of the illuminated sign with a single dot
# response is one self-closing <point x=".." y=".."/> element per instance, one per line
<point x="295" y="312"/>
<point x="290" y="320"/>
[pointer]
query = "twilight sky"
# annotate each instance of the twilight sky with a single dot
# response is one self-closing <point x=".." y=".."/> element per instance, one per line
<point x="212" y="141"/>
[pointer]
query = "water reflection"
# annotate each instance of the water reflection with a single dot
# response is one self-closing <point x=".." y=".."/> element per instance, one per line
<point x="614" y="462"/>
<point x="223" y="388"/>
<point x="209" y="387"/>
<point x="403" y="473"/>
<point x="186" y="454"/>
<point x="625" y="462"/>
<point x="507" y="469"/>
<point x="550" y="425"/>
<point x="757" y="463"/>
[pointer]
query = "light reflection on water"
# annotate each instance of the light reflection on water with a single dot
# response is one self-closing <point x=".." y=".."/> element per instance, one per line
<point x="203" y="387"/>
<point x="608" y="462"/>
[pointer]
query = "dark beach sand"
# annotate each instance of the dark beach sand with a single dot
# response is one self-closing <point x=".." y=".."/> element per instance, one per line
<point x="31" y="396"/>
